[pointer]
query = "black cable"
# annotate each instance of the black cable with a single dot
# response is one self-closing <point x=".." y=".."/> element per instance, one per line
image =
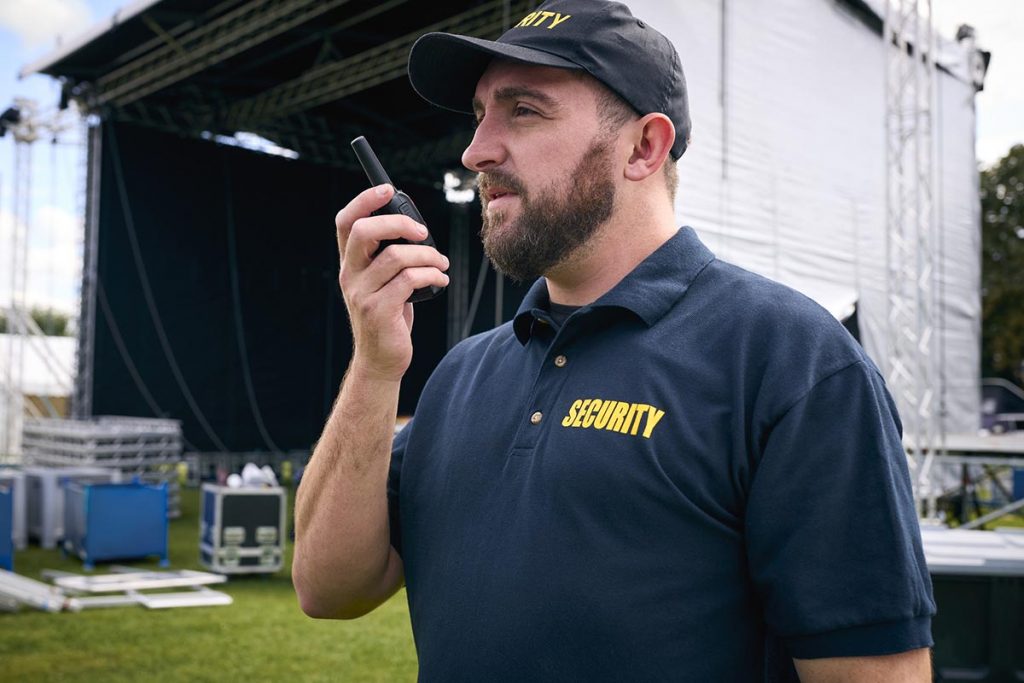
<point x="148" y="294"/>
<point x="236" y="299"/>
<point x="481" y="278"/>
<point x="126" y="358"/>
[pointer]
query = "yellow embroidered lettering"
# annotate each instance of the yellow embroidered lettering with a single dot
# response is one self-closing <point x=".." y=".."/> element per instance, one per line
<point x="624" y="429"/>
<point x="633" y="419"/>
<point x="640" y="410"/>
<point x="567" y="420"/>
<point x="653" y="418"/>
<point x="616" y="420"/>
<point x="526" y="20"/>
<point x="591" y="415"/>
<point x="558" y="20"/>
<point x="543" y="16"/>
<point x="606" y="412"/>
<point x="579" y="415"/>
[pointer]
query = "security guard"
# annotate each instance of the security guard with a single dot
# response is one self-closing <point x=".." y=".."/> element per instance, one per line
<point x="649" y="473"/>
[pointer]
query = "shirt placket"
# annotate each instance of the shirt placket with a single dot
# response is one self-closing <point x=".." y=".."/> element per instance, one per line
<point x="551" y="376"/>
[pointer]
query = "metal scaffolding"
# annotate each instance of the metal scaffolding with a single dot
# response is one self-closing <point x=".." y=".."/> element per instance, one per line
<point x="210" y="43"/>
<point x="179" y="52"/>
<point x="146" y="88"/>
<point x="24" y="129"/>
<point x="911" y="202"/>
<point x="336" y="80"/>
<point x="26" y="125"/>
<point x="81" y="402"/>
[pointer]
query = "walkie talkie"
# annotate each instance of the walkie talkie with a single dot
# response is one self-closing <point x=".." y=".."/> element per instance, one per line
<point x="400" y="204"/>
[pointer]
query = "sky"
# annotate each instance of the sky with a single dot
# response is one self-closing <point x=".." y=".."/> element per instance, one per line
<point x="30" y="29"/>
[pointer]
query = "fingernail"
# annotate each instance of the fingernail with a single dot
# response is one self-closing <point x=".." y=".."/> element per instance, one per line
<point x="446" y="263"/>
<point x="421" y="230"/>
<point x="383" y="189"/>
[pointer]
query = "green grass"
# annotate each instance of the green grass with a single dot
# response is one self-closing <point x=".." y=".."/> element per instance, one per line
<point x="262" y="636"/>
<point x="1012" y="520"/>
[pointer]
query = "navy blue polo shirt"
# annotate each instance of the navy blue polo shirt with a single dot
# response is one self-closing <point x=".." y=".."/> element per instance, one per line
<point x="698" y="473"/>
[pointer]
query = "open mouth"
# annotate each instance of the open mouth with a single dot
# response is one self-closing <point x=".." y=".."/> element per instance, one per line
<point x="496" y="188"/>
<point x="497" y="194"/>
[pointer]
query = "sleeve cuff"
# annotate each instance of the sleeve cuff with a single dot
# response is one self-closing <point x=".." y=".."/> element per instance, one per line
<point x="864" y="641"/>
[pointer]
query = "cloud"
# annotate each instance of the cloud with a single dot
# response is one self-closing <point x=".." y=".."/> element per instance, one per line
<point x="38" y="22"/>
<point x="999" y="25"/>
<point x="994" y="147"/>
<point x="54" y="259"/>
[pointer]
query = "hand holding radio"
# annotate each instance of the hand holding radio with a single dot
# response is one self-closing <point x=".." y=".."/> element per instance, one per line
<point x="387" y="260"/>
<point x="400" y="204"/>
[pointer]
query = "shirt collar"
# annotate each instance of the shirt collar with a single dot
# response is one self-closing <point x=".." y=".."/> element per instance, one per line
<point x="648" y="291"/>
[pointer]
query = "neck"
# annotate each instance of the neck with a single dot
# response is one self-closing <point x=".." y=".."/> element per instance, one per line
<point x="633" y="233"/>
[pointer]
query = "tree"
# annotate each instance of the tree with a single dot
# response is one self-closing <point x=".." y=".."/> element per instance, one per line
<point x="1002" y="267"/>
<point x="52" y="323"/>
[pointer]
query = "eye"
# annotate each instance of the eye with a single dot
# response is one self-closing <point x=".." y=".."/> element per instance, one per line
<point x="523" y="110"/>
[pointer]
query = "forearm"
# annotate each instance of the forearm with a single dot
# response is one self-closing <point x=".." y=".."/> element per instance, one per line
<point x="911" y="666"/>
<point x="344" y="565"/>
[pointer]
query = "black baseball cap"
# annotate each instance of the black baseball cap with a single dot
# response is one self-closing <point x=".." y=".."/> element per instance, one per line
<point x="601" y="38"/>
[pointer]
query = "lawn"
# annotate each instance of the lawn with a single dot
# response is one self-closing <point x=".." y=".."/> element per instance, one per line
<point x="263" y="636"/>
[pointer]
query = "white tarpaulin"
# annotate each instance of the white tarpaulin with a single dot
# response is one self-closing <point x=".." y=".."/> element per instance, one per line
<point x="45" y="367"/>
<point x="786" y="172"/>
<point x="47" y="364"/>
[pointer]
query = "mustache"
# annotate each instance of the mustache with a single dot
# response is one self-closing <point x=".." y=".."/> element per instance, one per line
<point x="485" y="182"/>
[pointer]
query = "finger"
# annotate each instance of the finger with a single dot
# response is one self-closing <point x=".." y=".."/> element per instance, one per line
<point x="398" y="257"/>
<point x="362" y="205"/>
<point x="366" y="235"/>
<point x="400" y="288"/>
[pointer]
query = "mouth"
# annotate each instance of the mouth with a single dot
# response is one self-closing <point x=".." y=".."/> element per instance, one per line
<point x="499" y="197"/>
<point x="495" y="193"/>
<point x="498" y="190"/>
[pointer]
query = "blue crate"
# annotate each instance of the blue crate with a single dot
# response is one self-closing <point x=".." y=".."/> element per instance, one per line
<point x="14" y="479"/>
<point x="115" y="522"/>
<point x="7" y="528"/>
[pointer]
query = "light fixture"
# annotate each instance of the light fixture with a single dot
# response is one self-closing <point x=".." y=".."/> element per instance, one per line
<point x="459" y="188"/>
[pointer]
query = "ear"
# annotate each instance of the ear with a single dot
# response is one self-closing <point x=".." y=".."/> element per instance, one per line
<point x="653" y="137"/>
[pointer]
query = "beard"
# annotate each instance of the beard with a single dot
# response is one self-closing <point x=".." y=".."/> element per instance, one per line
<point x="553" y="224"/>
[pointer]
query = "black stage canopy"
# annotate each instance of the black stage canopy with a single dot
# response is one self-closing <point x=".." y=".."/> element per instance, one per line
<point x="210" y="288"/>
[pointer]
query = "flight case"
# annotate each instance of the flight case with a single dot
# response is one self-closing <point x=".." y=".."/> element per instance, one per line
<point x="241" y="530"/>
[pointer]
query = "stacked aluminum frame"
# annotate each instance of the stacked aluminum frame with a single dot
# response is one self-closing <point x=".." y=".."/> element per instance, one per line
<point x="134" y="446"/>
<point x="124" y="443"/>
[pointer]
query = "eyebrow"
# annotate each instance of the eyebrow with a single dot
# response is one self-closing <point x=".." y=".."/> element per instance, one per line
<point x="512" y="92"/>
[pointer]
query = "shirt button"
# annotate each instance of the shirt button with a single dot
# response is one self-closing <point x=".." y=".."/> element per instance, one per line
<point x="536" y="418"/>
<point x="560" y="361"/>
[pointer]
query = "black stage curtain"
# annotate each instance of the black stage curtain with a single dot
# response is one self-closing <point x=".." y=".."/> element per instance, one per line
<point x="188" y="202"/>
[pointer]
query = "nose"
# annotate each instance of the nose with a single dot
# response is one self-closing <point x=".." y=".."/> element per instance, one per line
<point x="487" y="149"/>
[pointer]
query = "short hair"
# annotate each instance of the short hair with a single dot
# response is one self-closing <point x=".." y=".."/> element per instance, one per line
<point x="614" y="113"/>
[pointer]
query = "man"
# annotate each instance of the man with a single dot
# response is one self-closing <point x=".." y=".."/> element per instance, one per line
<point x="664" y="468"/>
